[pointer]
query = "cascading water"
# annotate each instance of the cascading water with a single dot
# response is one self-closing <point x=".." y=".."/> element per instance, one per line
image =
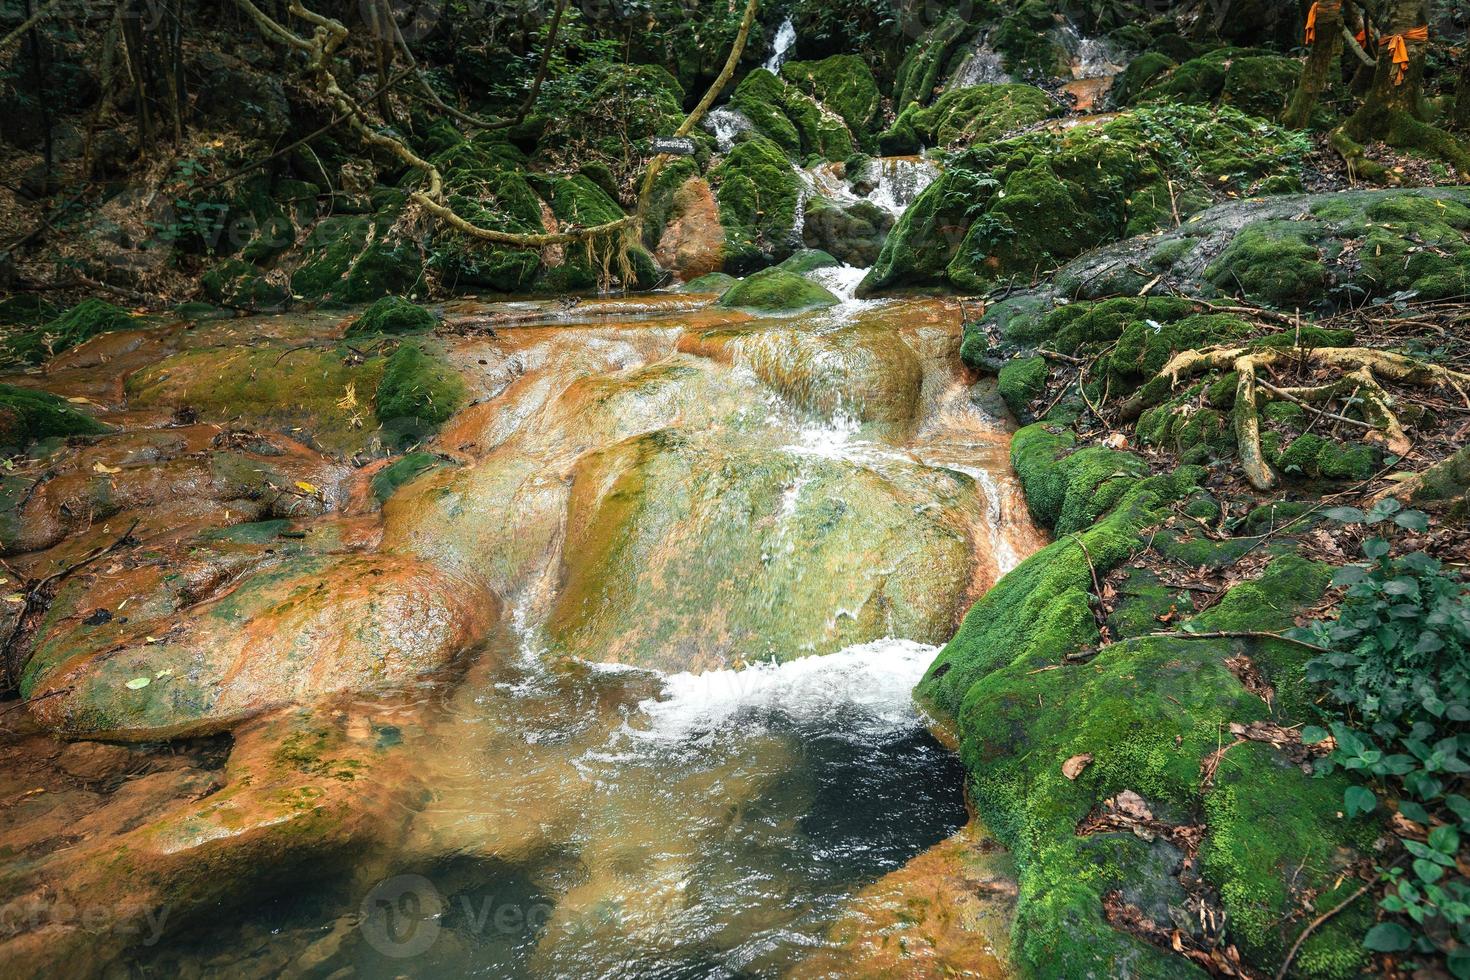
<point x="726" y="124"/>
<point x="785" y="41"/>
<point x="982" y="66"/>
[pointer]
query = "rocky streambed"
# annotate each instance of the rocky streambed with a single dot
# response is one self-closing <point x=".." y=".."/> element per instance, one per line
<point x="623" y="653"/>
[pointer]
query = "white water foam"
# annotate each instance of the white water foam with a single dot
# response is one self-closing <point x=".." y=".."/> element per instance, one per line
<point x="726" y="124"/>
<point x="877" y="679"/>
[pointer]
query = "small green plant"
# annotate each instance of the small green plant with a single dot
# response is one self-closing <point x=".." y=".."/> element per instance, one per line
<point x="1399" y="679"/>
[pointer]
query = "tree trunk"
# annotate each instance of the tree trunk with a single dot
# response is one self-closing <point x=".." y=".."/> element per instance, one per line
<point x="1322" y="67"/>
<point x="1394" y="110"/>
<point x="1462" y="95"/>
<point x="1389" y="93"/>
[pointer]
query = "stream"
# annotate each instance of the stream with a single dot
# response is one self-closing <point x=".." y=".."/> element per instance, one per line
<point x="726" y="547"/>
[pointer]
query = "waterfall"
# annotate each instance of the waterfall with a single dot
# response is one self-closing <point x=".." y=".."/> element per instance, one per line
<point x="982" y="66"/>
<point x="1090" y="57"/>
<point x="785" y="40"/>
<point x="900" y="182"/>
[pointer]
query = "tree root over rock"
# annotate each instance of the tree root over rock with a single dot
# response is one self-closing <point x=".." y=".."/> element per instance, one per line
<point x="1361" y="369"/>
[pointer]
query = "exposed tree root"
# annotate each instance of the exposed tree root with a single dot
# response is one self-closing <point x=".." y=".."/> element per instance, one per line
<point x="320" y="49"/>
<point x="1361" y="367"/>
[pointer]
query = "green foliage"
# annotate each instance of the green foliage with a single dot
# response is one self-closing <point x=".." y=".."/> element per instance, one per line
<point x="27" y="416"/>
<point x="1399" y="679"/>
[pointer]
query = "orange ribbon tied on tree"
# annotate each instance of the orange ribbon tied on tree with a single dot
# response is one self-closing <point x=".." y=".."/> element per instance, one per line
<point x="1398" y="47"/>
<point x="1312" y="25"/>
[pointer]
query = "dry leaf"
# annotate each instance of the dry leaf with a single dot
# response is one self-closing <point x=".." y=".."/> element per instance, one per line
<point x="305" y="487"/>
<point x="1073" y="767"/>
<point x="101" y="467"/>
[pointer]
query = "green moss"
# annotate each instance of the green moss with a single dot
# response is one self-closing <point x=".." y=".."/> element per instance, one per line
<point x="417" y="394"/>
<point x="1131" y="81"/>
<point x="386" y="481"/>
<point x="1024" y="40"/>
<point x="808" y="260"/>
<point x="1260" y="84"/>
<point x="1021" y="382"/>
<point x="760" y="96"/>
<point x="1275" y="833"/>
<point x="712" y="282"/>
<point x="976" y="114"/>
<point x="758" y="193"/>
<point x="28" y="415"/>
<point x="924" y="62"/>
<point x="777" y="291"/>
<point x="79" y="324"/>
<point x="844" y="83"/>
<point x="1015" y="209"/>
<point x="1271" y="261"/>
<point x="1068" y="490"/>
<point x="392" y="315"/>
<point x="1290" y="583"/>
<point x="242" y="285"/>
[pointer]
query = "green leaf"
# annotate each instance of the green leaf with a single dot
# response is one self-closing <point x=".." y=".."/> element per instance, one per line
<point x="1427" y="871"/>
<point x="1412" y="520"/>
<point x="1413" y="811"/>
<point x="1358" y="799"/>
<point x="1347" y="515"/>
<point x="138" y="683"/>
<point x="1388" y="937"/>
<point x="1445" y="840"/>
<point x="1311" y="735"/>
<point x="1375" y="547"/>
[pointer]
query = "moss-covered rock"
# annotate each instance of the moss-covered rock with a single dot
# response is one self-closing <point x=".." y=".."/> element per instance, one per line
<point x="1016" y="209"/>
<point x="758" y="193"/>
<point x="239" y="284"/>
<point x="808" y="260"/>
<point x="1025" y="39"/>
<point x="77" y="325"/>
<point x="1130" y="83"/>
<point x="392" y="315"/>
<point x="761" y="97"/>
<point x="777" y="290"/>
<point x="714" y="282"/>
<point x="977" y="114"/>
<point x="403" y="470"/>
<point x="416" y="395"/>
<point x="925" y="62"/>
<point x="1298" y="251"/>
<point x="844" y="83"/>
<point x="1021" y="382"/>
<point x="28" y="416"/>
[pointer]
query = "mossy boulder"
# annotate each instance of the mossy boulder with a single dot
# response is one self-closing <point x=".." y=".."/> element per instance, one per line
<point x="777" y="290"/>
<point x="1021" y="382"/>
<point x="1145" y="712"/>
<point x="28" y="416"/>
<point x="417" y="394"/>
<point x="844" y="83"/>
<point x="1298" y="251"/>
<point x="1130" y="83"/>
<point x="77" y="325"/>
<point x="926" y="60"/>
<point x="240" y="284"/>
<point x="760" y="97"/>
<point x="713" y="282"/>
<point x="808" y="260"/>
<point x="758" y="192"/>
<point x="976" y="114"/>
<point x="1015" y="209"/>
<point x="392" y="315"/>
<point x="1025" y="38"/>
